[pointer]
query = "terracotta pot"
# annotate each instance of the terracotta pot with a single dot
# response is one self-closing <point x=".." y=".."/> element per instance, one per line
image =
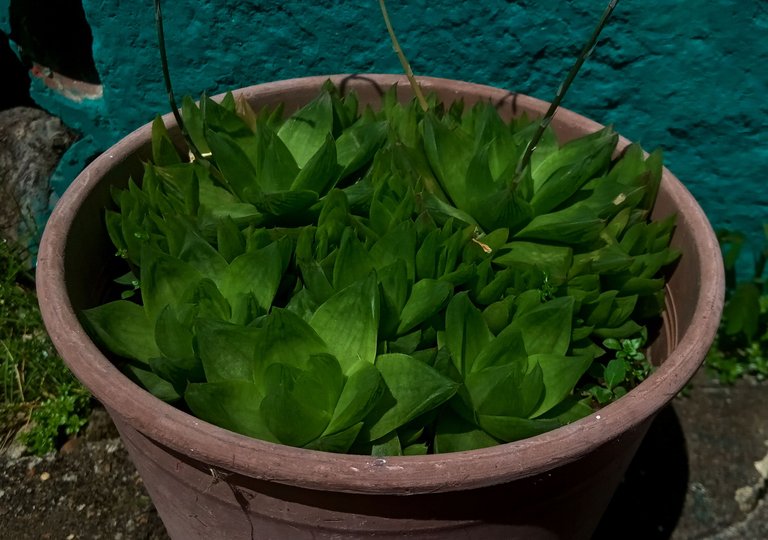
<point x="210" y="483"/>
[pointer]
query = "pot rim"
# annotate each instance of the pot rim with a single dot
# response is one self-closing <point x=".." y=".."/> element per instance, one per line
<point x="313" y="469"/>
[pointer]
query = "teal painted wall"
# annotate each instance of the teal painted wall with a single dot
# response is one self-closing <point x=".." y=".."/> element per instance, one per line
<point x="690" y="76"/>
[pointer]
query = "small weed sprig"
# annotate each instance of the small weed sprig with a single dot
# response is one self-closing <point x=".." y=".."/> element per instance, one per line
<point x="35" y="386"/>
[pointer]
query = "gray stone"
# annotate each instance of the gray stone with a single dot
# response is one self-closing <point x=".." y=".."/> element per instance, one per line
<point x="31" y="144"/>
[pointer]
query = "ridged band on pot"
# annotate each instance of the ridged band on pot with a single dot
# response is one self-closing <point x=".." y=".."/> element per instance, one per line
<point x="71" y="276"/>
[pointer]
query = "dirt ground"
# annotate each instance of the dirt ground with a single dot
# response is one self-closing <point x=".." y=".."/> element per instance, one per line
<point x="694" y="477"/>
<point x="87" y="490"/>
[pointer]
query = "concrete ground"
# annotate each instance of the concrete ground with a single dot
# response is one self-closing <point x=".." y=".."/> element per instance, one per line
<point x="700" y="474"/>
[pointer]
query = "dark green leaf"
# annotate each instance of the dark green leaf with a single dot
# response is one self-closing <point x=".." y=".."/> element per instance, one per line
<point x="357" y="144"/>
<point x="124" y="328"/>
<point x="235" y="166"/>
<point x="306" y="130"/>
<point x="353" y="262"/>
<point x="160" y="388"/>
<point x="466" y="332"/>
<point x="173" y="338"/>
<point x="348" y="323"/>
<point x="321" y="172"/>
<point x="615" y="372"/>
<point x="554" y="261"/>
<point x="226" y="350"/>
<point x="427" y="298"/>
<point x="509" y="429"/>
<point x="560" y="375"/>
<point x="413" y="388"/>
<point x="258" y="272"/>
<point x="361" y="392"/>
<point x="547" y="328"/>
<point x="233" y="405"/>
<point x="163" y="150"/>
<point x="454" y="434"/>
<point x="287" y="339"/>
<point x="299" y="402"/>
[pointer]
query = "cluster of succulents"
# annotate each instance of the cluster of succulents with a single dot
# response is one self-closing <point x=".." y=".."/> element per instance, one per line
<point x="385" y="281"/>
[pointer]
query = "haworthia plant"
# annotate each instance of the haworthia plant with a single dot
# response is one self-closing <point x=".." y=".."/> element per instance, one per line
<point x="384" y="282"/>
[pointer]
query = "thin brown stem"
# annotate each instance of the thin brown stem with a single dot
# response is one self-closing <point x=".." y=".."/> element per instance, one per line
<point x="403" y="60"/>
<point x="167" y="79"/>
<point x="586" y="51"/>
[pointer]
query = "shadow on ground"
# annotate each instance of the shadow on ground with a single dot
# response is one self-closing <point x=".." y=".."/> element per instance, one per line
<point x="650" y="499"/>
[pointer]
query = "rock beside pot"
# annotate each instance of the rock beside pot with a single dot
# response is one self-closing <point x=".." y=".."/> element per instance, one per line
<point x="31" y="145"/>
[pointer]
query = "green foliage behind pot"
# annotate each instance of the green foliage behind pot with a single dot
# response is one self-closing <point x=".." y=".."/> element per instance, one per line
<point x="385" y="282"/>
<point x="741" y="345"/>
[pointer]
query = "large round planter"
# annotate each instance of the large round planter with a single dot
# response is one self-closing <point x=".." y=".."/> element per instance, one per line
<point x="210" y="483"/>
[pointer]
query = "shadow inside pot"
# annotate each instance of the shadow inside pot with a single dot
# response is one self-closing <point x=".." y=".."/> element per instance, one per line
<point x="648" y="503"/>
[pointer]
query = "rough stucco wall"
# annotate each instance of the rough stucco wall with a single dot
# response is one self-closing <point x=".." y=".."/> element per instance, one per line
<point x="688" y="76"/>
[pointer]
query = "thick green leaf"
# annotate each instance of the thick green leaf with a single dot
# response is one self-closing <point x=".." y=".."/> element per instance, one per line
<point x="258" y="272"/>
<point x="554" y="261"/>
<point x="348" y="323"/>
<point x="509" y="429"/>
<point x="124" y="328"/>
<point x="449" y="152"/>
<point x="339" y="442"/>
<point x="207" y="301"/>
<point x="572" y="153"/>
<point x="576" y="163"/>
<point x="455" y="434"/>
<point x="466" y="332"/>
<point x="178" y="371"/>
<point x="286" y="203"/>
<point x="235" y="166"/>
<point x="428" y="297"/>
<point x="306" y="130"/>
<point x="163" y="150"/>
<point x="229" y="239"/>
<point x="158" y="387"/>
<point x="393" y="292"/>
<point x="173" y="338"/>
<point x="388" y="445"/>
<point x="547" y="328"/>
<point x="362" y="389"/>
<point x="286" y="339"/>
<point x="573" y="226"/>
<point x="399" y="243"/>
<point x="497" y="315"/>
<point x="275" y="167"/>
<point x="413" y="388"/>
<point x="226" y="350"/>
<point x="233" y="405"/>
<point x="353" y="262"/>
<point x="507" y="348"/>
<point x="321" y="172"/>
<point x="198" y="253"/>
<point x="221" y="117"/>
<point x="506" y="390"/>
<point x="560" y="375"/>
<point x="298" y="403"/>
<point x="444" y="211"/>
<point x="193" y="121"/>
<point x="356" y="145"/>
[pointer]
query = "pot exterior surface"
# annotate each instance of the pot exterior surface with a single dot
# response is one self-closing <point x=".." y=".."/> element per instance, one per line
<point x="196" y="501"/>
<point x="208" y="482"/>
